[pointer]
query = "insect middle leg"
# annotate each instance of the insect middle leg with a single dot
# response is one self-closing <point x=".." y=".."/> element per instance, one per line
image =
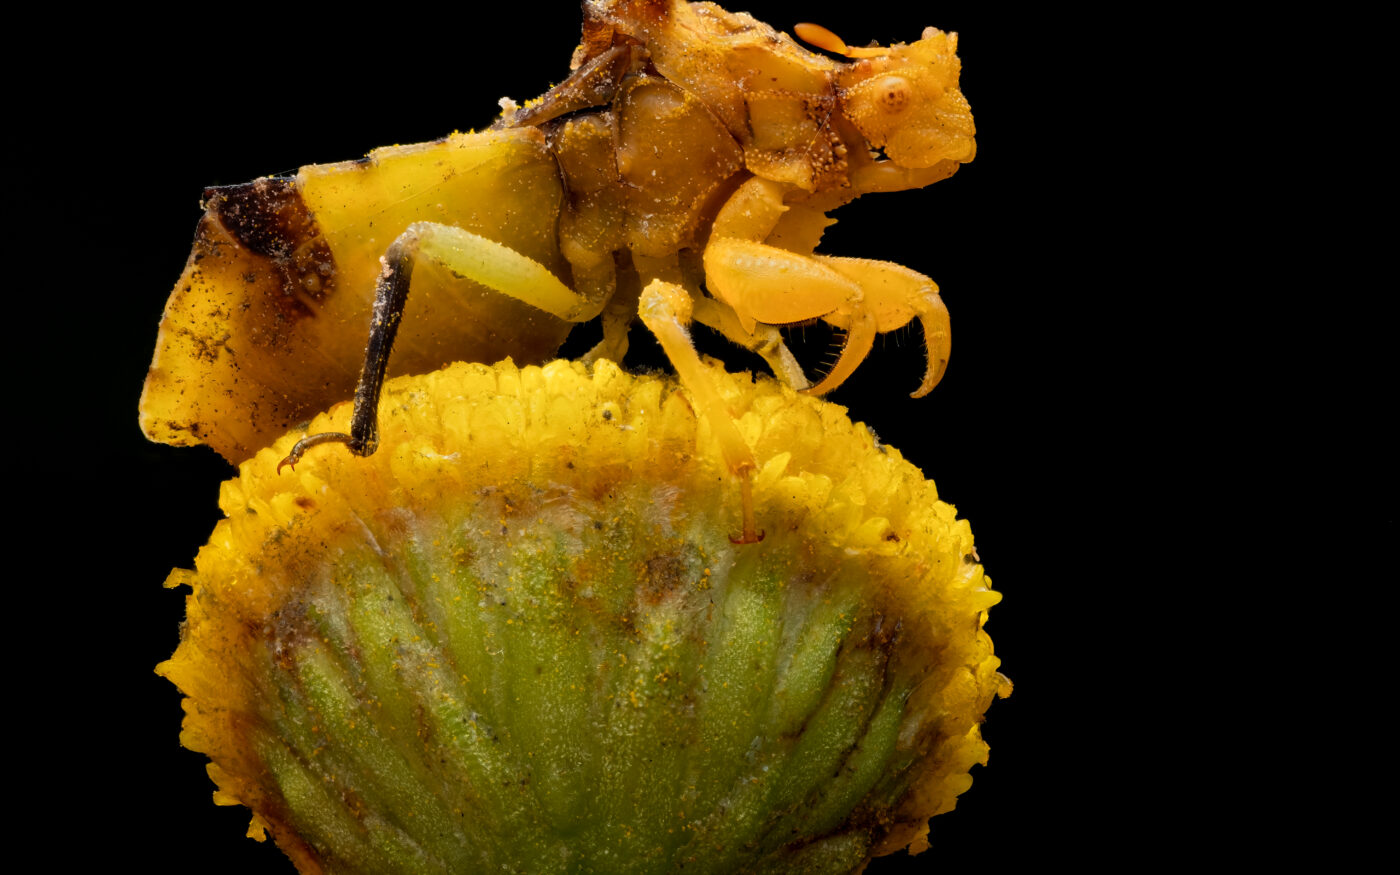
<point x="666" y="309"/>
<point x="765" y="340"/>
<point x="468" y="255"/>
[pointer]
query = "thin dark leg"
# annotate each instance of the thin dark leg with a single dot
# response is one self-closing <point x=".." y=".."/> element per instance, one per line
<point x="390" y="295"/>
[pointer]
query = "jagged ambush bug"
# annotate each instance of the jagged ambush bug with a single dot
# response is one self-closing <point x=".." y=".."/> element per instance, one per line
<point x="521" y="578"/>
<point x="691" y="149"/>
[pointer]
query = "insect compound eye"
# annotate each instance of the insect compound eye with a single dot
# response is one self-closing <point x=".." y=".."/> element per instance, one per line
<point x="893" y="93"/>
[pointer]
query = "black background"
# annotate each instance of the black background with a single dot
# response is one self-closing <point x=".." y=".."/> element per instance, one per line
<point x="1046" y="432"/>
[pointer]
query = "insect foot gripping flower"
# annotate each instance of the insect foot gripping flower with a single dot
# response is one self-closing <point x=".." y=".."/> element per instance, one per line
<point x="519" y="637"/>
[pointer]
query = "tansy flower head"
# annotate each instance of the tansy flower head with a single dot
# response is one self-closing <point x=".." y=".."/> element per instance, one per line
<point x="519" y="637"/>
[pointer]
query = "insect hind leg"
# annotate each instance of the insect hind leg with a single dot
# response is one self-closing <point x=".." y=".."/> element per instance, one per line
<point x="467" y="255"/>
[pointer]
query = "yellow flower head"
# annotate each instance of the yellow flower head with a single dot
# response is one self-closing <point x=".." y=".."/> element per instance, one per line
<point x="519" y="635"/>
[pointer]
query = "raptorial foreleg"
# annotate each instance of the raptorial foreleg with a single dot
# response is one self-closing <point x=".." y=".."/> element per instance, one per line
<point x="765" y="285"/>
<point x="892" y="295"/>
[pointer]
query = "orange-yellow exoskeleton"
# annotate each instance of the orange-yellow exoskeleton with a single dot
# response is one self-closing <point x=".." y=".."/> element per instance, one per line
<point x="682" y="172"/>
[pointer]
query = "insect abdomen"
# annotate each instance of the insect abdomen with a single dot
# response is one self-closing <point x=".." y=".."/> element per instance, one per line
<point x="267" y="323"/>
